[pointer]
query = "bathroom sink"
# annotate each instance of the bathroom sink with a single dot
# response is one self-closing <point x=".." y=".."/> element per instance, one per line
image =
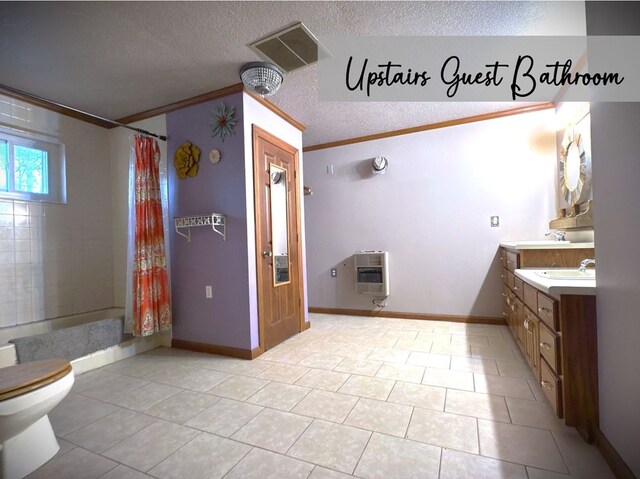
<point x="567" y="274"/>
<point x="540" y="242"/>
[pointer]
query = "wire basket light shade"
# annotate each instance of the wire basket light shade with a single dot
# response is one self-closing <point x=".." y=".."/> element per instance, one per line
<point x="261" y="78"/>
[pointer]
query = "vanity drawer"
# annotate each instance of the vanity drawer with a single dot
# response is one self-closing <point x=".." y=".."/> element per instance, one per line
<point x="552" y="387"/>
<point x="548" y="310"/>
<point x="506" y="292"/>
<point x="531" y="297"/>
<point x="511" y="279"/>
<point x="518" y="287"/>
<point x="512" y="260"/>
<point x="550" y="348"/>
<point x="504" y="276"/>
<point x="503" y="257"/>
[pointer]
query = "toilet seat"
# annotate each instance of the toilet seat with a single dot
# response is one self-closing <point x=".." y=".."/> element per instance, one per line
<point x="23" y="378"/>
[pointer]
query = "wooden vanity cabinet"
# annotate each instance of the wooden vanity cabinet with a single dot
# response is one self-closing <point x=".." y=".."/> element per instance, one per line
<point x="557" y="337"/>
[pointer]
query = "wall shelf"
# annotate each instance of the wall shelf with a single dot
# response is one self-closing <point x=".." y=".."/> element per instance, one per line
<point x="217" y="222"/>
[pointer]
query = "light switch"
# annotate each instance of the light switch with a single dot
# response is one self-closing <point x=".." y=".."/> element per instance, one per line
<point x="334" y="272"/>
<point x="208" y="291"/>
<point x="495" y="221"/>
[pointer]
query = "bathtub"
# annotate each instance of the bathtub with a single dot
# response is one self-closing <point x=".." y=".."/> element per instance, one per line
<point x="95" y="360"/>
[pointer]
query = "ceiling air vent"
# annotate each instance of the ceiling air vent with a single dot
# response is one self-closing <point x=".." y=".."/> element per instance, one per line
<point x="292" y="48"/>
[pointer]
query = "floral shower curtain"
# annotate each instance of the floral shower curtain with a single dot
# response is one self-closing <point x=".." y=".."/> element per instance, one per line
<point x="151" y="308"/>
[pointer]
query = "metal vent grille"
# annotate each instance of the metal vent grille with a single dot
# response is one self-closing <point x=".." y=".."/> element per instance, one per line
<point x="292" y="48"/>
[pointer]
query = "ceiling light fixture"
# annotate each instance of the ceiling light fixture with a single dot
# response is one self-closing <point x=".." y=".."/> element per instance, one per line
<point x="261" y="78"/>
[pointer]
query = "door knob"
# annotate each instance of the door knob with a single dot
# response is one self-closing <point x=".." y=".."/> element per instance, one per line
<point x="267" y="254"/>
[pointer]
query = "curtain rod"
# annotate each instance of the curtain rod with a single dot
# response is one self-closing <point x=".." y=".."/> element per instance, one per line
<point x="43" y="102"/>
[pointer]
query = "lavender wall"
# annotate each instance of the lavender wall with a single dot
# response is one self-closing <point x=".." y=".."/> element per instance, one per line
<point x="223" y="320"/>
<point x="431" y="211"/>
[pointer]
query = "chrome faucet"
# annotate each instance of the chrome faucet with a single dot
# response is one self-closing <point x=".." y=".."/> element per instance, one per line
<point x="584" y="263"/>
<point x="559" y="235"/>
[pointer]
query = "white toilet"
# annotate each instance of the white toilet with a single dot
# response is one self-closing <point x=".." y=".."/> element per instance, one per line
<point x="28" y="392"/>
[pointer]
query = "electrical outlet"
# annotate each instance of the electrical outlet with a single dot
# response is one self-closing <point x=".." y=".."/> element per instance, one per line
<point x="495" y="221"/>
<point x="208" y="291"/>
<point x="334" y="272"/>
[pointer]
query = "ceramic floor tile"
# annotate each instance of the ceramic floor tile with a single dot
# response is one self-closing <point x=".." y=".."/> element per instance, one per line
<point x="284" y="373"/>
<point x="259" y="464"/>
<point x="322" y="473"/>
<point x="224" y="417"/>
<point x="584" y="460"/>
<point x="504" y="386"/>
<point x="76" y="411"/>
<point x="397" y="356"/>
<point x="363" y="386"/>
<point x="355" y="351"/>
<point x="326" y="405"/>
<point x="451" y="349"/>
<point x="474" y="365"/>
<point x="239" y="388"/>
<point x="429" y="360"/>
<point x="197" y="379"/>
<point x="413" y="345"/>
<point x="363" y="367"/>
<point x="387" y="457"/>
<point x="461" y="338"/>
<point x="535" y="473"/>
<point x="485" y="352"/>
<point x="205" y="457"/>
<point x="486" y="406"/>
<point x="182" y="407"/>
<point x="151" y="445"/>
<point x="273" y="430"/>
<point x="331" y="445"/>
<point x="75" y="464"/>
<point x="279" y="396"/>
<point x="526" y="412"/>
<point x="450" y="431"/>
<point x="515" y="369"/>
<point x="321" y="361"/>
<point x="124" y="472"/>
<point x="96" y="383"/>
<point x="401" y="372"/>
<point x="109" y="431"/>
<point x="448" y="378"/>
<point x="380" y="416"/>
<point x="401" y="334"/>
<point x="519" y="444"/>
<point x="244" y="367"/>
<point x="460" y="465"/>
<point x="418" y="395"/>
<point x="142" y="398"/>
<point x="320" y="379"/>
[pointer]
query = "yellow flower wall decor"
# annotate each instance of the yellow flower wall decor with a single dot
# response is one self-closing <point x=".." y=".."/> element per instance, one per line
<point x="186" y="160"/>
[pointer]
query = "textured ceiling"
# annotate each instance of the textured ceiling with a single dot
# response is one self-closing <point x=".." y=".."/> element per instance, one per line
<point x="115" y="59"/>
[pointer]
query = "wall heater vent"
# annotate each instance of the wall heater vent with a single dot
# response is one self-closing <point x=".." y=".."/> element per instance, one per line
<point x="372" y="272"/>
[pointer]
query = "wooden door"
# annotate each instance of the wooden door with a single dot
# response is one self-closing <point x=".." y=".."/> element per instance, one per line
<point x="278" y="248"/>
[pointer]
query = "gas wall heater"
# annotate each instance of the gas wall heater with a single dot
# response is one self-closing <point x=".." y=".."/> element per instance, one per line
<point x="372" y="272"/>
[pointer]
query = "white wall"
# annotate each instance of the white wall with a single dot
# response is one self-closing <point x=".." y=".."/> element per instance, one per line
<point x="615" y="148"/>
<point x="120" y="145"/>
<point x="57" y="259"/>
<point x="431" y="211"/>
<point x="257" y="114"/>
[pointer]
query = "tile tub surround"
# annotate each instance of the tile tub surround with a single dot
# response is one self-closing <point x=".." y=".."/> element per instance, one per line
<point x="309" y="422"/>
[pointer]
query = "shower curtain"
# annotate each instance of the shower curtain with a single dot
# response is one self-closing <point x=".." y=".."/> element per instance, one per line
<point x="148" y="298"/>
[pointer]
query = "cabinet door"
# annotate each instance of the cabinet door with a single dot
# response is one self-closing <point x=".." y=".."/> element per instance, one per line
<point x="532" y="334"/>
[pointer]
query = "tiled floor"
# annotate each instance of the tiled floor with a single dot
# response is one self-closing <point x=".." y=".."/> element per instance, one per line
<point x="363" y="397"/>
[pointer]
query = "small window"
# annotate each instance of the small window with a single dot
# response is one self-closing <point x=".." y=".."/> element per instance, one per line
<point x="31" y="169"/>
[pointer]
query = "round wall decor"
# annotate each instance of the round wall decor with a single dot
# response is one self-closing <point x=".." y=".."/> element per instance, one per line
<point x="574" y="169"/>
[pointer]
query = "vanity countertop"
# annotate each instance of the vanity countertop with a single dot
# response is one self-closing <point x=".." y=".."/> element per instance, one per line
<point x="542" y="244"/>
<point x="585" y="287"/>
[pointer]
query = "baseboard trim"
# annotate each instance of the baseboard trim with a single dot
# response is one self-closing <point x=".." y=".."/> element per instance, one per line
<point x="400" y="315"/>
<point x="613" y="458"/>
<point x="216" y="349"/>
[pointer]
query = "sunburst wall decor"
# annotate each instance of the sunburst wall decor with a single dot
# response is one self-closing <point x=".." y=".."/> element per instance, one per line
<point x="223" y="121"/>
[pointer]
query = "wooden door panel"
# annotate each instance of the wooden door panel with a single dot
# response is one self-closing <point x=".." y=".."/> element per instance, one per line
<point x="279" y="288"/>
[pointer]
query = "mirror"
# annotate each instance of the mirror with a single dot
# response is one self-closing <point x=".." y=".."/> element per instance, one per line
<point x="575" y="168"/>
<point x="279" y="225"/>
